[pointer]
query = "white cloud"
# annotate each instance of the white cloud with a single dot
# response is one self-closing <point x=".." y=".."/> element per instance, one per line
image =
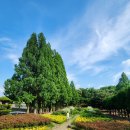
<point x="77" y="86"/>
<point x="72" y="77"/>
<point x="1" y="91"/>
<point x="105" y="39"/>
<point x="13" y="58"/>
<point x="110" y="38"/>
<point x="117" y="76"/>
<point x="125" y="68"/>
<point x="10" y="49"/>
<point x="4" y="39"/>
<point x="126" y="63"/>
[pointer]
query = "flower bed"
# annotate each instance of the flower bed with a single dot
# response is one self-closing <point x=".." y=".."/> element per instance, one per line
<point x="103" y="125"/>
<point x="31" y="128"/>
<point x="91" y="119"/>
<point x="22" y="120"/>
<point x="55" y="118"/>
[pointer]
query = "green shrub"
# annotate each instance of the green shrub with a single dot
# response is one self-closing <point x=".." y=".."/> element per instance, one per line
<point x="5" y="100"/>
<point x="5" y="106"/>
<point x="91" y="112"/>
<point x="59" y="113"/>
<point x="75" y="111"/>
<point x="79" y="109"/>
<point x="4" y="112"/>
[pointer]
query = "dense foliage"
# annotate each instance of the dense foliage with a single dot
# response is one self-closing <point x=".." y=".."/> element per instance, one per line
<point x="23" y="120"/>
<point x="95" y="97"/>
<point x="40" y="78"/>
<point x="115" y="99"/>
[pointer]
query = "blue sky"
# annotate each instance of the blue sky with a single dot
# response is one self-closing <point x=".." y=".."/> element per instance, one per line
<point x="93" y="36"/>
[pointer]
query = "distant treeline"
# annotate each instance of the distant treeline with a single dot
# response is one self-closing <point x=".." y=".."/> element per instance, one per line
<point x="115" y="99"/>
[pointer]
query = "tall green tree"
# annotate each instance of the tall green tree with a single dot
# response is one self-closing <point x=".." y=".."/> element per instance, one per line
<point x="39" y="75"/>
<point x="75" y="95"/>
<point x="61" y="80"/>
<point x="24" y="78"/>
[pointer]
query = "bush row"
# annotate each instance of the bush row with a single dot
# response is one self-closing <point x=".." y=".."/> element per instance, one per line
<point x="22" y="120"/>
<point x="103" y="125"/>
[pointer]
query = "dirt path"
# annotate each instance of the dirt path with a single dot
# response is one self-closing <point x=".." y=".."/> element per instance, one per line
<point x="65" y="125"/>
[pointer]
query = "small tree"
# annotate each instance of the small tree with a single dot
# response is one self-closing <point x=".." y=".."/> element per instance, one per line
<point x="5" y="105"/>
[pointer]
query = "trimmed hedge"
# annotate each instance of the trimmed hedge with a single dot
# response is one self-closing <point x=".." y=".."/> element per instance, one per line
<point x="5" y="100"/>
<point x="22" y="120"/>
<point x="5" y="106"/>
<point x="103" y="125"/>
<point x="4" y="112"/>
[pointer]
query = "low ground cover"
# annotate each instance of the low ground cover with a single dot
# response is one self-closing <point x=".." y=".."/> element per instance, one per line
<point x="22" y="120"/>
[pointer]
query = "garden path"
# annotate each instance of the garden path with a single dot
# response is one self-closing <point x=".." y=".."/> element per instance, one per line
<point x="65" y="125"/>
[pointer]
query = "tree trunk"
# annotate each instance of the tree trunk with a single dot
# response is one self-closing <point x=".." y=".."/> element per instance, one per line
<point x="47" y="109"/>
<point x="35" y="111"/>
<point x="110" y="112"/>
<point x="125" y="112"/>
<point x="27" y="109"/>
<point x="121" y="113"/>
<point x="50" y="108"/>
<point x="54" y="108"/>
<point x="115" y="111"/>
<point x="40" y="111"/>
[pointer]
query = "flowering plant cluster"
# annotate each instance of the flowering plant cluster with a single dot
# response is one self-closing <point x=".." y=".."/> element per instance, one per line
<point x="31" y="128"/>
<point x="91" y="119"/>
<point x="55" y="118"/>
